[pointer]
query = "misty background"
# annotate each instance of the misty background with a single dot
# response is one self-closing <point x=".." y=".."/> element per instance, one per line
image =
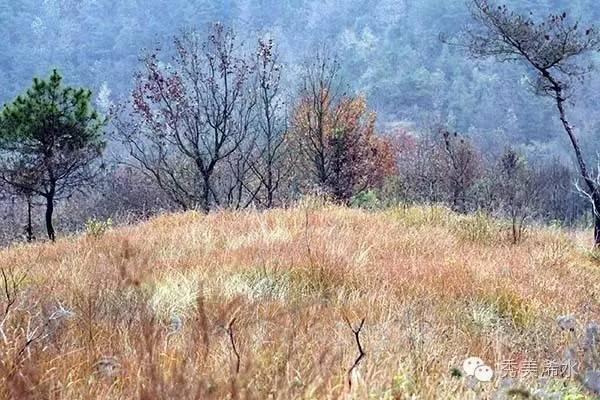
<point x="390" y="50"/>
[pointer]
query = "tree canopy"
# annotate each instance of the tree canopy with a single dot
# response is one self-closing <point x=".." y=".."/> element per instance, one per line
<point x="49" y="138"/>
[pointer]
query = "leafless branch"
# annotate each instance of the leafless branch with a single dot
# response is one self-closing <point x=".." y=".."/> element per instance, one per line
<point x="361" y="352"/>
<point x="233" y="344"/>
<point x="10" y="286"/>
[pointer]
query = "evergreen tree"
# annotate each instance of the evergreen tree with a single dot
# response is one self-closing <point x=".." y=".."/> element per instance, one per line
<point x="49" y="140"/>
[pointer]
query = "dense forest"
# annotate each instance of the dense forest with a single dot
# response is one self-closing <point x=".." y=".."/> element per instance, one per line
<point x="390" y="50"/>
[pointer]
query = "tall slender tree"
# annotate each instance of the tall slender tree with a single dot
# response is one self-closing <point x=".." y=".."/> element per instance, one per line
<point x="271" y="121"/>
<point x="552" y="50"/>
<point x="49" y="140"/>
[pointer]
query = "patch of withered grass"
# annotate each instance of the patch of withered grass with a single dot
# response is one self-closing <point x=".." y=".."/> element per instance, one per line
<point x="259" y="305"/>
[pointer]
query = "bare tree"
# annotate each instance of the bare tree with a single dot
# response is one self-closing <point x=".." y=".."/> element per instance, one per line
<point x="461" y="166"/>
<point x="516" y="190"/>
<point x="272" y="123"/>
<point x="420" y="163"/>
<point x="552" y="51"/>
<point x="316" y="113"/>
<point x="27" y="180"/>
<point x="188" y="118"/>
<point x="561" y="203"/>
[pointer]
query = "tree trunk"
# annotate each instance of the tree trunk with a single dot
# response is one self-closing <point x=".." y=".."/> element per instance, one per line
<point x="49" y="213"/>
<point x="269" y="183"/>
<point x="597" y="230"/>
<point x="590" y="182"/>
<point x="269" y="198"/>
<point x="206" y="194"/>
<point x="596" y="211"/>
<point x="29" y="229"/>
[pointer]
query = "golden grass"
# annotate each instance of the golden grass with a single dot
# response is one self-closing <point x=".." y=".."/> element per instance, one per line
<point x="151" y="305"/>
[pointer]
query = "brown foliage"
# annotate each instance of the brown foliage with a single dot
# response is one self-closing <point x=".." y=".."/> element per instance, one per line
<point x="343" y="154"/>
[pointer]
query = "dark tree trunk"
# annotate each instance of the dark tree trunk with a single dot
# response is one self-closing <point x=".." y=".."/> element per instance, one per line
<point x="49" y="213"/>
<point x="596" y="211"/>
<point x="591" y="184"/>
<point x="269" y="183"/>
<point x="206" y="194"/>
<point x="597" y="229"/>
<point x="29" y="229"/>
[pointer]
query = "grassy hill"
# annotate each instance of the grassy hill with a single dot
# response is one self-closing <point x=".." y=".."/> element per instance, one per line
<point x="161" y="309"/>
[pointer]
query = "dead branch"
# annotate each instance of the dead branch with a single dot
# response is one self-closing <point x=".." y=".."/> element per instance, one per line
<point x="361" y="352"/>
<point x="10" y="286"/>
<point x="10" y="299"/>
<point x="233" y="345"/>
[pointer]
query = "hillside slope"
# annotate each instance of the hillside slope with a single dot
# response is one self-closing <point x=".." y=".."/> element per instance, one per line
<point x="151" y="311"/>
<point x="389" y="49"/>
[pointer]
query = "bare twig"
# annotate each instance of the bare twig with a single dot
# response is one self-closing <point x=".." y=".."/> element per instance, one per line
<point x="10" y="286"/>
<point x="10" y="299"/>
<point x="233" y="345"/>
<point x="33" y="336"/>
<point x="361" y="352"/>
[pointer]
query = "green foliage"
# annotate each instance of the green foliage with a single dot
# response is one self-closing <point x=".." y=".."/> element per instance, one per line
<point x="477" y="227"/>
<point x="97" y="228"/>
<point x="511" y="306"/>
<point x="367" y="199"/>
<point x="49" y="138"/>
<point x="423" y="216"/>
<point x="456" y="373"/>
<point x="519" y="393"/>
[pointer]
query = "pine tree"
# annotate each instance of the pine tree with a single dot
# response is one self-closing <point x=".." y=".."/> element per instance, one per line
<point x="49" y="140"/>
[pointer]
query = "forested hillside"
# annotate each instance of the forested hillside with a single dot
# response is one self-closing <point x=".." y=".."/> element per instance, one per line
<point x="390" y="50"/>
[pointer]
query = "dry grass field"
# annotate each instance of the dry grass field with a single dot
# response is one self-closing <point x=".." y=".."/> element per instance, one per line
<point x="265" y="305"/>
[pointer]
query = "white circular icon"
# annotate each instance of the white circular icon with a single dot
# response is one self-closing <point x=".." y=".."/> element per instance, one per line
<point x="475" y="367"/>
<point x="471" y="364"/>
<point x="483" y="373"/>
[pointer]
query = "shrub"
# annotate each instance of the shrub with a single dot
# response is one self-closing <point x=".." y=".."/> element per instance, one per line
<point x="423" y="216"/>
<point x="367" y="199"/>
<point x="511" y="307"/>
<point x="97" y="228"/>
<point x="479" y="228"/>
